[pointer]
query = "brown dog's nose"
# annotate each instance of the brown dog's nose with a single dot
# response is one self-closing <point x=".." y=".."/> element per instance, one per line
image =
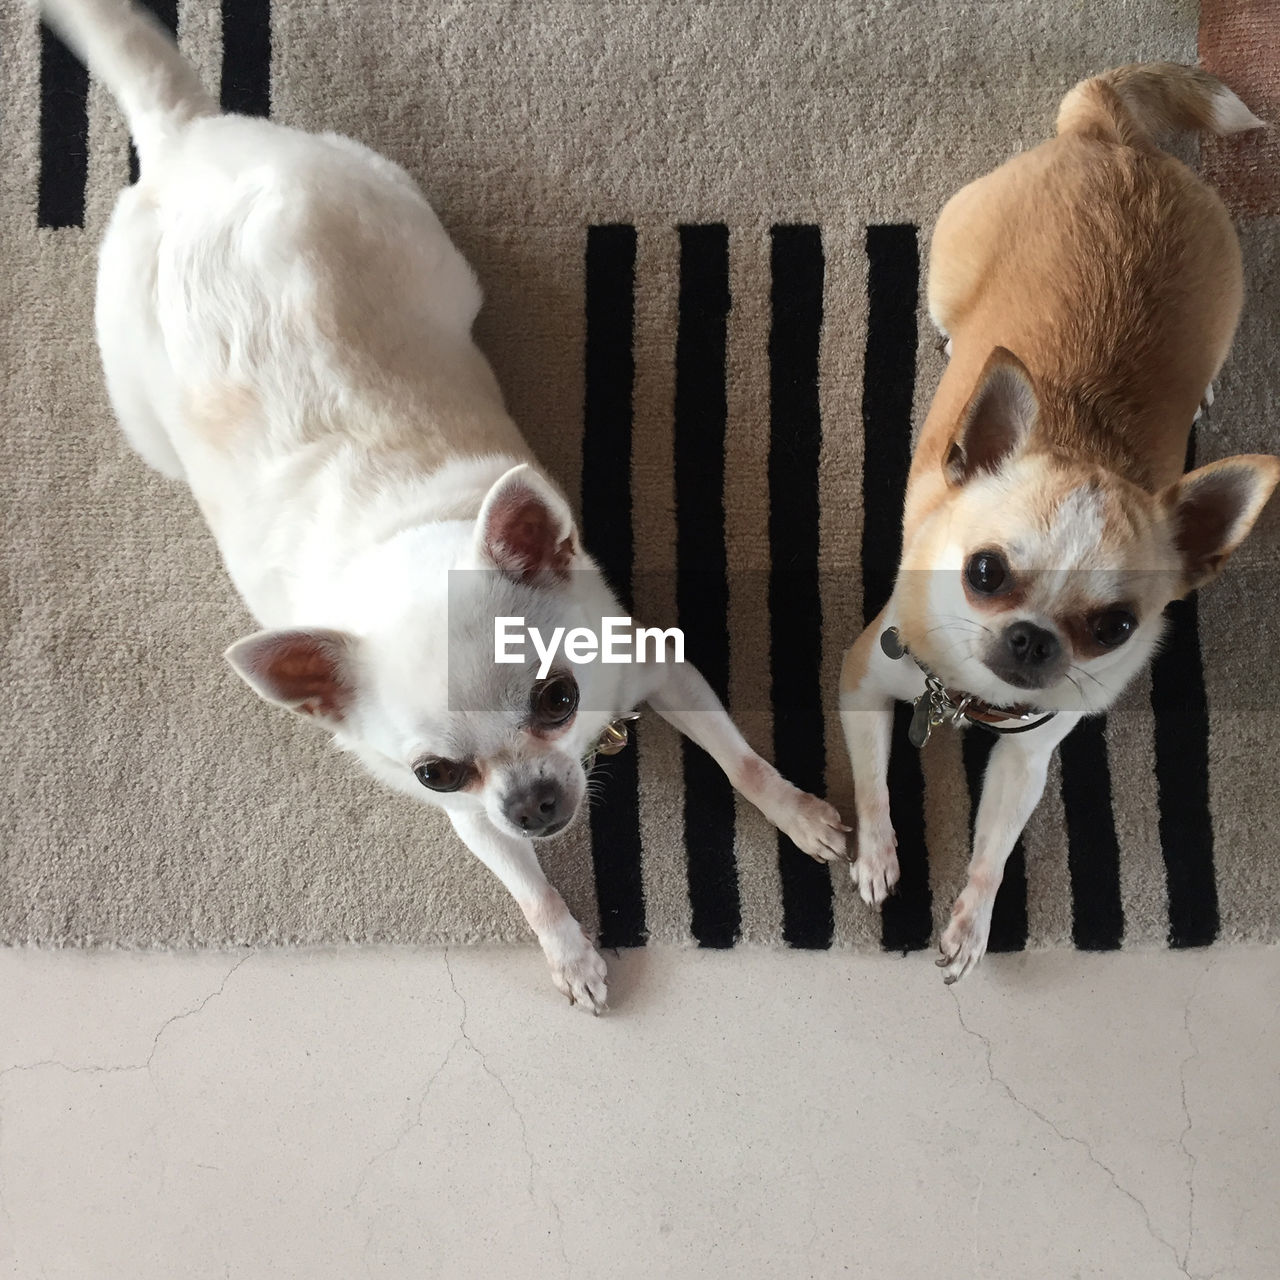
<point x="1031" y="646"/>
<point x="538" y="809"/>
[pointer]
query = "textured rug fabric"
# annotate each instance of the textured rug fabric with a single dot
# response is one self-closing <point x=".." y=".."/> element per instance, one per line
<point x="700" y="227"/>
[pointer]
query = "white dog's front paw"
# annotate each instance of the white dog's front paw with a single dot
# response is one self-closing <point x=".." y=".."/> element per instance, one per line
<point x="965" y="941"/>
<point x="814" y="827"/>
<point x="577" y="968"/>
<point x="876" y="870"/>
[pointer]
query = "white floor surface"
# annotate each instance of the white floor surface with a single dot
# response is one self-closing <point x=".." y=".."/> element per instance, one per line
<point x="417" y="1113"/>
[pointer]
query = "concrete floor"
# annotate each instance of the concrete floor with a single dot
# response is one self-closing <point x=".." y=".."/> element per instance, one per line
<point x="751" y="1114"/>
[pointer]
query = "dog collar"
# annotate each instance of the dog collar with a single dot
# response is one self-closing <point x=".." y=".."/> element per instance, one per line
<point x="613" y="737"/>
<point x="938" y="705"/>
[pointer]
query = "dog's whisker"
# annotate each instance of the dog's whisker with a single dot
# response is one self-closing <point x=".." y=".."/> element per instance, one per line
<point x="946" y="626"/>
<point x="1075" y="666"/>
<point x="973" y="622"/>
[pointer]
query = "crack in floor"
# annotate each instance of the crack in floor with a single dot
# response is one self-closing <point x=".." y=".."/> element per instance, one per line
<point x="462" y="1038"/>
<point x="1192" y="1159"/>
<point x="524" y="1129"/>
<point x="1066" y="1137"/>
<point x="118" y="1069"/>
<point x="146" y="1063"/>
<point x="387" y="1152"/>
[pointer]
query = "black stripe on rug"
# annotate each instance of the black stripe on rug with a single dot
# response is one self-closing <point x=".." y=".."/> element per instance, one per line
<point x="888" y="387"/>
<point x="1009" y="915"/>
<point x="702" y="573"/>
<point x="64" y="135"/>
<point x="1181" y="709"/>
<point x="607" y="532"/>
<point x="246" y="57"/>
<point x="1093" y="849"/>
<point x="798" y="269"/>
<point x="167" y="12"/>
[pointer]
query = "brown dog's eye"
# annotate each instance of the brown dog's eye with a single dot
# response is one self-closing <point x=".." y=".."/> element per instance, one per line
<point x="986" y="572"/>
<point x="1114" y="627"/>
<point x="554" y="700"/>
<point x="442" y="775"/>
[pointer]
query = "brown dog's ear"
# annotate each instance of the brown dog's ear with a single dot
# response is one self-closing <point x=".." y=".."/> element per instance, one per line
<point x="307" y="671"/>
<point x="525" y="528"/>
<point x="1214" y="508"/>
<point x="996" y="421"/>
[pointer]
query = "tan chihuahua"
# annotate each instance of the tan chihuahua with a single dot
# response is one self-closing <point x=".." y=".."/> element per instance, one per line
<point x="1087" y="293"/>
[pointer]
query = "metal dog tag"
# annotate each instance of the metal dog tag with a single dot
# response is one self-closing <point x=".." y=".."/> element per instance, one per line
<point x="931" y="709"/>
<point x="921" y="720"/>
<point x="891" y="644"/>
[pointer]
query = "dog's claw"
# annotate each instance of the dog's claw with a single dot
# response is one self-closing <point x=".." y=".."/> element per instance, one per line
<point x="815" y="828"/>
<point x="577" y="969"/>
<point x="875" y="870"/>
<point x="964" y="942"/>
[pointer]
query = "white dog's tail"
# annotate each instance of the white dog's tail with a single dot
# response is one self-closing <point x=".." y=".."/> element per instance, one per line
<point x="156" y="87"/>
<point x="1137" y="104"/>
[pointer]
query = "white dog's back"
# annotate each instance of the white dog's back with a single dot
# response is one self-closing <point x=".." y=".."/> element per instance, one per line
<point x="299" y="351"/>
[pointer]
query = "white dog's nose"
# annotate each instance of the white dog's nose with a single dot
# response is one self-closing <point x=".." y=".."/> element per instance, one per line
<point x="538" y="809"/>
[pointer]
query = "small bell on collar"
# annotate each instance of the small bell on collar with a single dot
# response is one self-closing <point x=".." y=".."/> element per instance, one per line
<point x="613" y="737"/>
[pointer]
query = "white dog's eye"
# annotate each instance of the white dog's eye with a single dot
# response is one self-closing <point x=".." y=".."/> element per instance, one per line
<point x="554" y="700"/>
<point x="442" y="775"/>
<point x="1114" y="627"/>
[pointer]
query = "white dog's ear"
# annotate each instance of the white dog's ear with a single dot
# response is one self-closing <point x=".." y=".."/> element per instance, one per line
<point x="997" y="420"/>
<point x="308" y="671"/>
<point x="1214" y="508"/>
<point x="525" y="528"/>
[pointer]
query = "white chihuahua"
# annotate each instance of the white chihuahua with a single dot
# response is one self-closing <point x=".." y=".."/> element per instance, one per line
<point x="285" y="325"/>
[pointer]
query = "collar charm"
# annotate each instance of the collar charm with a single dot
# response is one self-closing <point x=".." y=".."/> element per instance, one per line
<point x="613" y="737"/>
<point x="929" y="710"/>
<point x="937" y="705"/>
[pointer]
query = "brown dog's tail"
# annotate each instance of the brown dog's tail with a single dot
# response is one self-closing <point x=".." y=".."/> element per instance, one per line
<point x="1137" y="104"/>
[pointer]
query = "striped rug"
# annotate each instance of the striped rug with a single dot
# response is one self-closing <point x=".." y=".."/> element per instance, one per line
<point x="701" y="231"/>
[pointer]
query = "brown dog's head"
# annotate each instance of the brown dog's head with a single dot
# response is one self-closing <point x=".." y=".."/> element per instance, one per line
<point x="1042" y="579"/>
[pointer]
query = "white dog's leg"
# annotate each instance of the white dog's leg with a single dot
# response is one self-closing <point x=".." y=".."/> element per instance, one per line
<point x="1010" y="792"/>
<point x="577" y="968"/>
<point x="684" y="699"/>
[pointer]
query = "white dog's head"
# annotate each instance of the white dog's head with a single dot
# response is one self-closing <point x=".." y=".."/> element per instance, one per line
<point x="417" y="693"/>
<point x="1041" y="579"/>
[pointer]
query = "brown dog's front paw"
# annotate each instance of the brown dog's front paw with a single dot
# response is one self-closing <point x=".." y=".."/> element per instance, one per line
<point x="965" y="941"/>
<point x="815" y="828"/>
<point x="875" y="873"/>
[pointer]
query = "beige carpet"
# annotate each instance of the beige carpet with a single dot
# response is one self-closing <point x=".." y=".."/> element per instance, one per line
<point x="149" y="799"/>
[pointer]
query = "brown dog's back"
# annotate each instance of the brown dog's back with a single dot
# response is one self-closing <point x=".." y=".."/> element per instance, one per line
<point x="1105" y="264"/>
